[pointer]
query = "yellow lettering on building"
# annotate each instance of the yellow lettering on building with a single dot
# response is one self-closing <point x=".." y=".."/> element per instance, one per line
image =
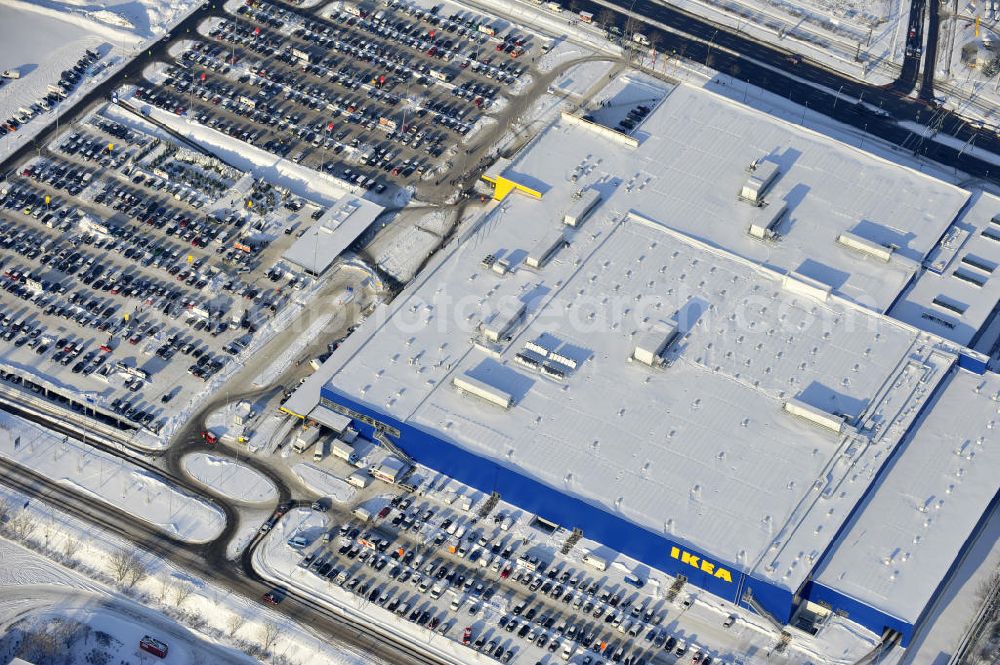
<point x="700" y="564"/>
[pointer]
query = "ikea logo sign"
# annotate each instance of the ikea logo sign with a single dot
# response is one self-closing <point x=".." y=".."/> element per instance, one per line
<point x="702" y="565"/>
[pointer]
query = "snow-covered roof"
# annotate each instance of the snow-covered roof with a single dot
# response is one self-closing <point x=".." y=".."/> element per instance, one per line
<point x="896" y="551"/>
<point x="690" y="167"/>
<point x="699" y="447"/>
<point x="958" y="292"/>
<point x="339" y="226"/>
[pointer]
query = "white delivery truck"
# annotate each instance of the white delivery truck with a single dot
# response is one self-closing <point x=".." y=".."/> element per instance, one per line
<point x="305" y="438"/>
<point x="359" y="479"/>
<point x="319" y="452"/>
<point x="595" y="561"/>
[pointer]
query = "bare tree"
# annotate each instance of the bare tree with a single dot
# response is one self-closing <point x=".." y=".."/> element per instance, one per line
<point x="182" y="591"/>
<point x="127" y="568"/>
<point x="234" y="624"/>
<point x="5" y="510"/>
<point x="606" y="18"/>
<point x="267" y="634"/>
<point x="22" y="525"/>
<point x="71" y="546"/>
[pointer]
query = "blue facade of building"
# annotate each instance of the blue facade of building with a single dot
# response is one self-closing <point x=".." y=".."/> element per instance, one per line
<point x="656" y="550"/>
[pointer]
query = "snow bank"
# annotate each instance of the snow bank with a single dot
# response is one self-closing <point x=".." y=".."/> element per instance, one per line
<point x="108" y="479"/>
<point x="300" y="180"/>
<point x="229" y="478"/>
<point x="324" y="482"/>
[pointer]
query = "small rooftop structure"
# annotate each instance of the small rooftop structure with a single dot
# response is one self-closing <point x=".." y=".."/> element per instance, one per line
<point x="650" y="345"/>
<point x="497" y="324"/>
<point x="545" y="249"/>
<point x="331" y="234"/>
<point x="582" y="207"/>
<point x="490" y="393"/>
<point x="761" y="176"/>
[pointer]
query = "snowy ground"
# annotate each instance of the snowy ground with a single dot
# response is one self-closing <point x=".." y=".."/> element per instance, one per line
<point x="960" y="601"/>
<point x="403" y="254"/>
<point x="227" y="477"/>
<point x="578" y="79"/>
<point x="110" y="480"/>
<point x="36" y="592"/>
<point x="324" y="482"/>
<point x="191" y="615"/>
<point x="45" y="37"/>
<point x="959" y="81"/>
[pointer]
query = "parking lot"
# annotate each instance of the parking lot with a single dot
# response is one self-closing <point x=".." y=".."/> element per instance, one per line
<point x="135" y="269"/>
<point x="477" y="579"/>
<point x="374" y="97"/>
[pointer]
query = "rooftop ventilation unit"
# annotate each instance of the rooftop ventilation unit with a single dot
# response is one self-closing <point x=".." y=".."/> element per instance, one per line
<point x="762" y="176"/>
<point x="865" y="246"/>
<point x="496" y="326"/>
<point x="651" y="345"/>
<point x="535" y="347"/>
<point x="830" y="421"/>
<point x="554" y="370"/>
<point x="806" y="286"/>
<point x="769" y="231"/>
<point x="584" y="204"/>
<point x="528" y="361"/>
<point x="483" y="390"/>
<point x="545" y="249"/>
<point x="499" y="266"/>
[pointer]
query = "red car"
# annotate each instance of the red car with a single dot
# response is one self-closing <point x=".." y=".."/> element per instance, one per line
<point x="384" y="512"/>
<point x="273" y="597"/>
<point x="209" y="436"/>
<point x="153" y="646"/>
<point x="467" y="635"/>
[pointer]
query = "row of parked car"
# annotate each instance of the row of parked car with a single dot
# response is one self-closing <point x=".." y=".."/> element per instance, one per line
<point x="68" y="81"/>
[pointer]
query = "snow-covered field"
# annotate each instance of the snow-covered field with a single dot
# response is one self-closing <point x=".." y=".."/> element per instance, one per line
<point x="69" y="567"/>
<point x="227" y="477"/>
<point x="41" y="39"/>
<point x="578" y="79"/>
<point x="323" y="482"/>
<point x="110" y="480"/>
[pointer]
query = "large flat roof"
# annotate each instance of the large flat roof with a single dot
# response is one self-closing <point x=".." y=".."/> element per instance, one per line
<point x="690" y="167"/>
<point x="897" y="550"/>
<point x="957" y="293"/>
<point x="702" y="449"/>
